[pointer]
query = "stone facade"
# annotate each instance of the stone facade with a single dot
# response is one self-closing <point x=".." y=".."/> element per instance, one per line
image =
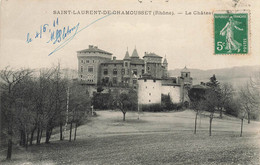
<point x="148" y="74"/>
<point x="96" y="67"/>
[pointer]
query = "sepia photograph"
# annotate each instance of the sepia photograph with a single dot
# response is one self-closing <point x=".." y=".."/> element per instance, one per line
<point x="144" y="82"/>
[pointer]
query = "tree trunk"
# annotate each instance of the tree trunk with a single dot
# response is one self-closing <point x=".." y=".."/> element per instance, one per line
<point x="242" y="121"/>
<point x="21" y="138"/>
<point x="210" y="122"/>
<point x="75" y="133"/>
<point x="61" y="136"/>
<point x="70" y="130"/>
<point x="48" y="135"/>
<point x="195" y="129"/>
<point x="221" y="112"/>
<point x="38" y="141"/>
<point x="40" y="136"/>
<point x="248" y="117"/>
<point x="124" y="116"/>
<point x="9" y="150"/>
<point x="10" y="141"/>
<point x="27" y="140"/>
<point x="32" y="134"/>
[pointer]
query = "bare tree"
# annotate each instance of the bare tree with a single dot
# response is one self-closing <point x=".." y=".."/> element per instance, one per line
<point x="11" y="78"/>
<point x="125" y="101"/>
<point x="197" y="96"/>
<point x="248" y="100"/>
<point x="226" y="92"/>
<point x="79" y="107"/>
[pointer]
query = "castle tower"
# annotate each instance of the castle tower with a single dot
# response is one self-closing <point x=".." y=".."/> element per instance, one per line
<point x="185" y="74"/>
<point x="186" y="83"/>
<point x="126" y="68"/>
<point x="89" y="61"/>
<point x="153" y="64"/>
<point x="165" y="66"/>
<point x="127" y="60"/>
<point x="135" y="54"/>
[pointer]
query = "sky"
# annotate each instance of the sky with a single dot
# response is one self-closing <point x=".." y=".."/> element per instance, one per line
<point x="185" y="40"/>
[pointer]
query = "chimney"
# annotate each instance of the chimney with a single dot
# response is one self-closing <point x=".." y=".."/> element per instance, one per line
<point x="95" y="47"/>
<point x="90" y="46"/>
<point x="114" y="58"/>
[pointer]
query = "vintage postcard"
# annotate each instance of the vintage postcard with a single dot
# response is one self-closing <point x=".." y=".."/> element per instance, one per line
<point x="130" y="82"/>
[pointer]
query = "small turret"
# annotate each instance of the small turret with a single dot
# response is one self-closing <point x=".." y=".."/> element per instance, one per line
<point x="135" y="54"/>
<point x="127" y="57"/>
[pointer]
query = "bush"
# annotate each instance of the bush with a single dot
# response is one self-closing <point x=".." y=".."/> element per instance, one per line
<point x="168" y="105"/>
<point x="152" y="107"/>
<point x="102" y="101"/>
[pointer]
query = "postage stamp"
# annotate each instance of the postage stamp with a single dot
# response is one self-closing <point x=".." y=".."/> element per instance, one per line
<point x="231" y="33"/>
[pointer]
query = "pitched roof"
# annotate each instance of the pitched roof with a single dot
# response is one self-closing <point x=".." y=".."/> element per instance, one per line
<point x="137" y="61"/>
<point x="152" y="55"/>
<point x="93" y="49"/>
<point x="165" y="61"/>
<point x="135" y="54"/>
<point x="127" y="57"/>
<point x="113" y="62"/>
<point x="185" y="69"/>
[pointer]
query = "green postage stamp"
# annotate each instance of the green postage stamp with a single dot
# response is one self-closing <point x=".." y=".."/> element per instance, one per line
<point x="231" y="33"/>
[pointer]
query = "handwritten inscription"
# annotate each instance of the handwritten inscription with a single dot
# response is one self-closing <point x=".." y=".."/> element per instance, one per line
<point x="56" y="35"/>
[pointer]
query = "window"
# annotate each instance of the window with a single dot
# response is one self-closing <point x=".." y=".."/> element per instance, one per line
<point x="114" y="65"/>
<point x="126" y="64"/>
<point x="154" y="80"/>
<point x="87" y="61"/>
<point x="145" y="81"/>
<point x="81" y="69"/>
<point x="82" y="61"/>
<point x="148" y="68"/>
<point x="93" y="61"/>
<point x="123" y="71"/>
<point x="186" y="74"/>
<point x="150" y="94"/>
<point x="90" y="69"/>
<point x="115" y="72"/>
<point x="105" y="72"/>
<point x="142" y="71"/>
<point x="81" y="76"/>
<point x="114" y="80"/>
<point x="149" y="100"/>
<point x="135" y="71"/>
<point x="134" y="81"/>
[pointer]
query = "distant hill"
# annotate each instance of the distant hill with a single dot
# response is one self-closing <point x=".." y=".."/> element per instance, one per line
<point x="67" y="73"/>
<point x="237" y="76"/>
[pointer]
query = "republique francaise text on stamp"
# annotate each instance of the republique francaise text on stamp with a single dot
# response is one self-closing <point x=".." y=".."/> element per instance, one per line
<point x="231" y="33"/>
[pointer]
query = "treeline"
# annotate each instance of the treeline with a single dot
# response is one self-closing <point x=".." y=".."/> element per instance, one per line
<point x="215" y="97"/>
<point x="32" y="106"/>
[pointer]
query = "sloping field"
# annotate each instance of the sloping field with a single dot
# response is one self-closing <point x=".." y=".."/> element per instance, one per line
<point x="157" y="138"/>
<point x="110" y="123"/>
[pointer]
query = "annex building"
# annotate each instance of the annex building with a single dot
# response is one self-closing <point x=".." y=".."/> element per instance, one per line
<point x="148" y="74"/>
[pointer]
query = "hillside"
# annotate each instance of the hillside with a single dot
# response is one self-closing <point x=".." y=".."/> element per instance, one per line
<point x="236" y="75"/>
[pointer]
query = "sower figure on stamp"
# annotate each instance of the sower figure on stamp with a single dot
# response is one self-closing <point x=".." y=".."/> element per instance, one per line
<point x="228" y="30"/>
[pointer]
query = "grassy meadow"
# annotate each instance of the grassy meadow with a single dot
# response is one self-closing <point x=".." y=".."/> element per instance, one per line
<point x="157" y="138"/>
